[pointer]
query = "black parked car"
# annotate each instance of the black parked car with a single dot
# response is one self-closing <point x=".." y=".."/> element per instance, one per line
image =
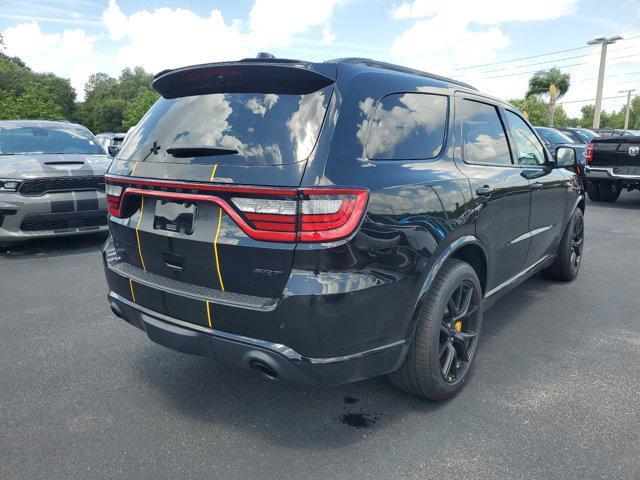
<point x="579" y="135"/>
<point x="555" y="139"/>
<point x="330" y="222"/>
<point x="615" y="132"/>
<point x="111" y="142"/>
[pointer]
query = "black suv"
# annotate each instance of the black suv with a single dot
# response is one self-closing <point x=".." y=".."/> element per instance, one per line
<point x="330" y="222"/>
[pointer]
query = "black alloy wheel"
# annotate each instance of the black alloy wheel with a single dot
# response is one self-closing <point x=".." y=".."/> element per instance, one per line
<point x="577" y="241"/>
<point x="448" y="323"/>
<point x="458" y="332"/>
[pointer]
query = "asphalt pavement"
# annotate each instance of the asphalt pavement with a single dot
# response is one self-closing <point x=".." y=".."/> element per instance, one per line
<point x="554" y="394"/>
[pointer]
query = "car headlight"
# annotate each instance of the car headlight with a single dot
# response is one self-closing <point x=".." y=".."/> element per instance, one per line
<point x="9" y="185"/>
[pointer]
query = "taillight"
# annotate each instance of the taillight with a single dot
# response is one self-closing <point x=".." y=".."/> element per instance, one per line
<point x="589" y="155"/>
<point x="315" y="215"/>
<point x="276" y="215"/>
<point x="114" y="194"/>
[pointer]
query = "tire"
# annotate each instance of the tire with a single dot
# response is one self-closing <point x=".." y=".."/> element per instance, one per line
<point x="566" y="266"/>
<point x="593" y="191"/>
<point x="421" y="373"/>
<point x="609" y="191"/>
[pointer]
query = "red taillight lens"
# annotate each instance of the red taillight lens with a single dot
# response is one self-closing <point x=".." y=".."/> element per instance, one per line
<point x="276" y="215"/>
<point x="316" y="215"/>
<point x="114" y="195"/>
<point x="589" y="155"/>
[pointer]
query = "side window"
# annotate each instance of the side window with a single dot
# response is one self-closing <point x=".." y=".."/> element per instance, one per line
<point x="485" y="141"/>
<point x="408" y="126"/>
<point x="530" y="150"/>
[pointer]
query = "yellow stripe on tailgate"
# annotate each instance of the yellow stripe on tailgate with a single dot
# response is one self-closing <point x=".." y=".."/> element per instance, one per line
<point x="138" y="235"/>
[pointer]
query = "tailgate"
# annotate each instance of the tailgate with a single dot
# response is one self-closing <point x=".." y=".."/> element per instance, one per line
<point x="620" y="152"/>
<point x="192" y="189"/>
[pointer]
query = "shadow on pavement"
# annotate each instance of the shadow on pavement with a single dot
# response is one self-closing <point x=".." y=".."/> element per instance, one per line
<point x="55" y="247"/>
<point x="214" y="393"/>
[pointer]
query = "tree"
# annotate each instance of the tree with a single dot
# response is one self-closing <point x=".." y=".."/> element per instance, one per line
<point x="553" y="83"/>
<point x="536" y="111"/>
<point x="26" y="94"/>
<point x="113" y="105"/>
<point x="136" y="109"/>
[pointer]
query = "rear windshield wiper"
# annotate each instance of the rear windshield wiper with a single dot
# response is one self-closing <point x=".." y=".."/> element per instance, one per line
<point x="199" y="151"/>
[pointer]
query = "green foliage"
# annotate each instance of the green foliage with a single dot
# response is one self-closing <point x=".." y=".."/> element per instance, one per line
<point x="612" y="119"/>
<point x="541" y="83"/>
<point x="138" y="107"/>
<point x="550" y="82"/>
<point x="110" y="104"/>
<point x="113" y="105"/>
<point x="26" y="94"/>
<point x="536" y="110"/>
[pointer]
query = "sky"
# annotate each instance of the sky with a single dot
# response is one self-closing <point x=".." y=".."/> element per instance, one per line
<point x="75" y="38"/>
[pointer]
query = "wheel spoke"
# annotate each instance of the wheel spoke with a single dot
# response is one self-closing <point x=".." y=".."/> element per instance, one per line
<point x="462" y="345"/>
<point x="448" y="361"/>
<point x="444" y="347"/>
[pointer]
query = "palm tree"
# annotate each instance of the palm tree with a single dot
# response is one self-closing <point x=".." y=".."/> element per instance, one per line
<point x="550" y="82"/>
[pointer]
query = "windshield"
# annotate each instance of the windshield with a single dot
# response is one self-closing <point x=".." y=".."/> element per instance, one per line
<point x="244" y="128"/>
<point x="553" y="136"/>
<point x="20" y="139"/>
<point x="586" y="134"/>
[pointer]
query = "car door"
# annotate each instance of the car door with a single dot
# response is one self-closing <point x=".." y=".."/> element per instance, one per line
<point x="500" y="190"/>
<point x="548" y="188"/>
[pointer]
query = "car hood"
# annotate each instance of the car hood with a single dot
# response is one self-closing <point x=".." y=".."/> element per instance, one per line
<point x="53" y="165"/>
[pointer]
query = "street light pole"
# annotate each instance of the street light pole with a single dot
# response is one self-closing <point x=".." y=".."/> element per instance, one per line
<point x="604" y="41"/>
<point x="626" y="114"/>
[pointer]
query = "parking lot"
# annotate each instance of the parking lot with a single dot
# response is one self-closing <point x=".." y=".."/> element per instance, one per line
<point x="554" y="393"/>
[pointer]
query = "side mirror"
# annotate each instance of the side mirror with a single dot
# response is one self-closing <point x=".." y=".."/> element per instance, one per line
<point x="112" y="150"/>
<point x="565" y="157"/>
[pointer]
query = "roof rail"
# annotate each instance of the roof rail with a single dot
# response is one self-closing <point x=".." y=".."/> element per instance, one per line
<point x="367" y="62"/>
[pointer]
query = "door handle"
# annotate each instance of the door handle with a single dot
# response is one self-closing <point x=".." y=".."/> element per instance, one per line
<point x="537" y="186"/>
<point x="485" y="191"/>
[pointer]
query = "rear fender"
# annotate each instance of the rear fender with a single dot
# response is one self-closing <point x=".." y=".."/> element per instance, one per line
<point x="430" y="274"/>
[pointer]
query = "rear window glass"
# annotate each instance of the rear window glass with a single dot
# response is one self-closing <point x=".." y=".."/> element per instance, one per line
<point x="408" y="126"/>
<point x="265" y="129"/>
<point x="21" y="139"/>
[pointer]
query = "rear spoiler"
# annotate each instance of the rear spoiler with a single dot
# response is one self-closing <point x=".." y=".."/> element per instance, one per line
<point x="245" y="77"/>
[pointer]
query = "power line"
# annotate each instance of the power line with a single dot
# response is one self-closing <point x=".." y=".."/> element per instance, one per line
<point x="536" y="56"/>
<point x="610" y="76"/>
<point x="539" y="63"/>
<point x="550" y="61"/>
<point x="591" y="99"/>
<point x="522" y="58"/>
<point x="555" y="66"/>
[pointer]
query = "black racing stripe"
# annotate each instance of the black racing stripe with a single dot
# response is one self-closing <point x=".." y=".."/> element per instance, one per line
<point x="87" y="201"/>
<point x="61" y="206"/>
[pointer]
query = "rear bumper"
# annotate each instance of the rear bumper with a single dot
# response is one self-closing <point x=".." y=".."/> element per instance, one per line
<point x="245" y="352"/>
<point x="608" y="173"/>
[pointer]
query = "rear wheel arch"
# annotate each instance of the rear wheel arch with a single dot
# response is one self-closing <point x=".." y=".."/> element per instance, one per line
<point x="475" y="256"/>
<point x="468" y="249"/>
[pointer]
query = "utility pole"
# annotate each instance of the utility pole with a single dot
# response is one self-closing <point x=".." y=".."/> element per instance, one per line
<point x="604" y="41"/>
<point x="626" y="114"/>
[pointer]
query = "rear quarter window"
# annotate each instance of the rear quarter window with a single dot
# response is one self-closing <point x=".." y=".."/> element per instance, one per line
<point x="408" y="126"/>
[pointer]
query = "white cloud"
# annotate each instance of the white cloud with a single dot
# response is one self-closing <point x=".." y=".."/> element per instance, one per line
<point x="167" y="38"/>
<point x="115" y="21"/>
<point x="446" y="33"/>
<point x="47" y="52"/>
<point x="327" y="35"/>
<point x="274" y="22"/>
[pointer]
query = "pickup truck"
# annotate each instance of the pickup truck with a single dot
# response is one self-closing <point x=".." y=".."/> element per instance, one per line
<point x="613" y="163"/>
